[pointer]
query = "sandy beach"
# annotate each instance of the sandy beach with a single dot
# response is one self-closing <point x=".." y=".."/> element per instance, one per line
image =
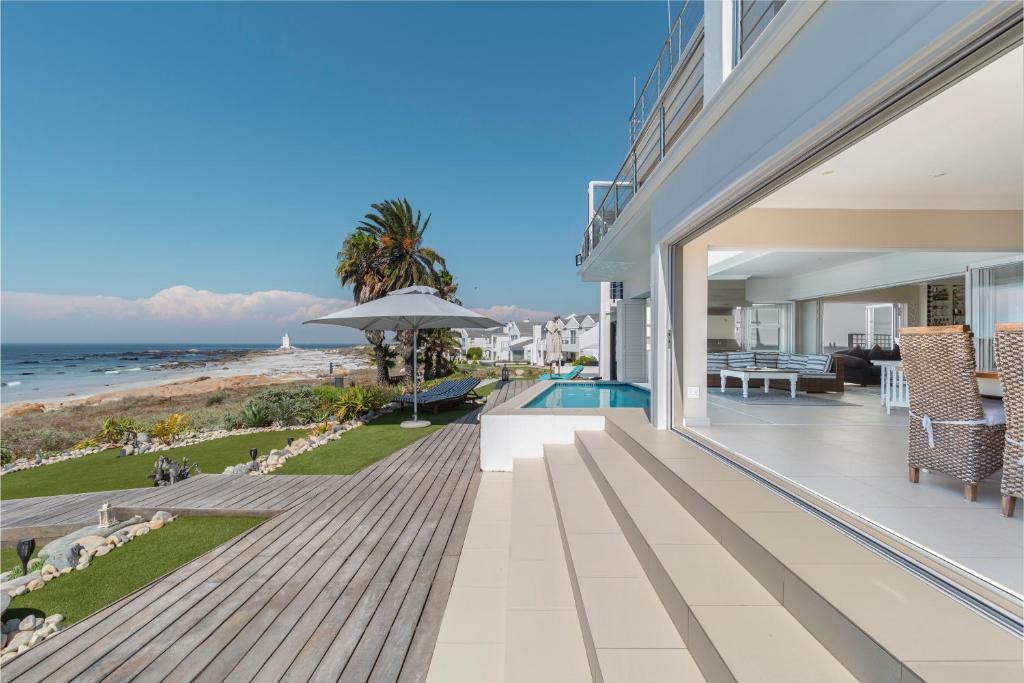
<point x="250" y="369"/>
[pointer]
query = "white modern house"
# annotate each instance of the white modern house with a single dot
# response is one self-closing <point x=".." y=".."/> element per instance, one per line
<point x="803" y="179"/>
<point x="523" y="340"/>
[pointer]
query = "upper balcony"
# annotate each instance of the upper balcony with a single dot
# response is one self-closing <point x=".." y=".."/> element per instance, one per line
<point x="669" y="101"/>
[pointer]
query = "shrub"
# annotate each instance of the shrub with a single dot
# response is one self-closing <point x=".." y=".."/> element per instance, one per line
<point x="255" y="415"/>
<point x="35" y="565"/>
<point x="283" y="406"/>
<point x="359" y="400"/>
<point x="121" y="429"/>
<point x="586" y="360"/>
<point x="474" y="353"/>
<point x="6" y="454"/>
<point x="233" y="421"/>
<point x="89" y="442"/>
<point x="319" y="428"/>
<point x="52" y="440"/>
<point x="170" y="428"/>
<point x="216" y="398"/>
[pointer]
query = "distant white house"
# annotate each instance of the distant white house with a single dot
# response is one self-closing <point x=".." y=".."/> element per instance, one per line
<point x="523" y="340"/>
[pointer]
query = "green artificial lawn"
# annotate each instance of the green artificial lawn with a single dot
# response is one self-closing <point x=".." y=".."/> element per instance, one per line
<point x="9" y="559"/>
<point x="128" y="568"/>
<point x="104" y="471"/>
<point x="366" y="445"/>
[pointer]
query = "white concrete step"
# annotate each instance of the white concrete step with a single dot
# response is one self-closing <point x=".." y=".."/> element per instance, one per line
<point x="511" y="616"/>
<point x="628" y="633"/>
<point x="734" y="628"/>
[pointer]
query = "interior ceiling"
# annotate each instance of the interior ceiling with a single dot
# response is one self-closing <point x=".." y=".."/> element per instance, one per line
<point x="784" y="264"/>
<point x="781" y="263"/>
<point x="962" y="149"/>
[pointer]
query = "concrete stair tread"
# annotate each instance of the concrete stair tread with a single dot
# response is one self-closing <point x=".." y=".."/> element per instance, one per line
<point x="543" y="641"/>
<point x="734" y="627"/>
<point x="628" y="632"/>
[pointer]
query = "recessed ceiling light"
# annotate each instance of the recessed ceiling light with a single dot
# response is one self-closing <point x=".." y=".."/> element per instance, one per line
<point x="939" y="174"/>
<point x="827" y="172"/>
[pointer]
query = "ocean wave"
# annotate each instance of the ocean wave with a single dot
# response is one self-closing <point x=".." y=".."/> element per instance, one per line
<point x="133" y="369"/>
<point x="10" y="384"/>
<point x="111" y="372"/>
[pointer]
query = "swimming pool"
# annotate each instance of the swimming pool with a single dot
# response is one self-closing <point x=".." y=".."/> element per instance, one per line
<point x="592" y="395"/>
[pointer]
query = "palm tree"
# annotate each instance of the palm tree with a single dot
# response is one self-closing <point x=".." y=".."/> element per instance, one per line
<point x="439" y="349"/>
<point x="386" y="253"/>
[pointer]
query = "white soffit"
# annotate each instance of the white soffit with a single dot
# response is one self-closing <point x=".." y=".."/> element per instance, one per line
<point x="962" y="149"/>
<point x="781" y="264"/>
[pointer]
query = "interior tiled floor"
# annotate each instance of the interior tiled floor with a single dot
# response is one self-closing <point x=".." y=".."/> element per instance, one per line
<point x="856" y="456"/>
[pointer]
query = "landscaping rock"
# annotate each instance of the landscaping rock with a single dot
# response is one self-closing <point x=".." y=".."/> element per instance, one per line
<point x="54" y="619"/>
<point x="18" y="639"/>
<point x="20" y="590"/>
<point x="102" y="550"/>
<point x="29" y="623"/>
<point x="5" y="600"/>
<point x="82" y="565"/>
<point x="35" y="585"/>
<point x="10" y="626"/>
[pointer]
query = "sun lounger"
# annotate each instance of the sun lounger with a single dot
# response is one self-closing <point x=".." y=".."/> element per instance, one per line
<point x="568" y="375"/>
<point x="447" y="393"/>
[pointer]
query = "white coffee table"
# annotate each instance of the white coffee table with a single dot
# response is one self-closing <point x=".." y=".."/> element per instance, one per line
<point x="767" y="374"/>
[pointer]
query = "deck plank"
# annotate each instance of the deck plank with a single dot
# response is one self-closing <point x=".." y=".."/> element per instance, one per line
<point x="360" y="600"/>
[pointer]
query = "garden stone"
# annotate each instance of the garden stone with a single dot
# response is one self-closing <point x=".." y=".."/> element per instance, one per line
<point x="163" y="517"/>
<point x="35" y="585"/>
<point x="139" y="529"/>
<point x="5" y="600"/>
<point x="6" y="657"/>
<point x="29" y="623"/>
<point x="102" y="550"/>
<point x="20" y="590"/>
<point x="70" y="557"/>
<point x="11" y="625"/>
<point x="82" y="565"/>
<point x="54" y="619"/>
<point x="18" y="639"/>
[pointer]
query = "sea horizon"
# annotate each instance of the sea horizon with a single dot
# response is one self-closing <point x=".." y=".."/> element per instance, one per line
<point x="49" y="371"/>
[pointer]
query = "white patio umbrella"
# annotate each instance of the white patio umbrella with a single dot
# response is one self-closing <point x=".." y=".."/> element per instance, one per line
<point x="553" y="345"/>
<point x="413" y="308"/>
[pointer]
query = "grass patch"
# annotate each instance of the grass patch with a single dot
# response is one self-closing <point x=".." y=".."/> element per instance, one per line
<point x="129" y="567"/>
<point x="9" y="558"/>
<point x="366" y="445"/>
<point x="104" y="471"/>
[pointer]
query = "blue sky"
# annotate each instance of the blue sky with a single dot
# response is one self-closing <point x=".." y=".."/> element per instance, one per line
<point x="216" y="149"/>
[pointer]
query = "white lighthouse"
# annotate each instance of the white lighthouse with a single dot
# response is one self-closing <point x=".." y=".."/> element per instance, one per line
<point x="286" y="343"/>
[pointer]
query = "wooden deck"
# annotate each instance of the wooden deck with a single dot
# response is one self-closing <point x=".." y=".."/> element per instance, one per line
<point x="347" y="582"/>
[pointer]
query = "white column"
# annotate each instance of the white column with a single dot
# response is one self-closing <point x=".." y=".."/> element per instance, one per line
<point x="694" y="273"/>
<point x="718" y="44"/>
<point x="660" y="362"/>
<point x="631" y="337"/>
<point x="605" y="351"/>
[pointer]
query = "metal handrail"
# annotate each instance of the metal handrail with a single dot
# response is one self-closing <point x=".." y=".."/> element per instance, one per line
<point x="676" y="48"/>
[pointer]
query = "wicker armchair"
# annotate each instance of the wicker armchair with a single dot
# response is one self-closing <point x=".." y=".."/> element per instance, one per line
<point x="1010" y="360"/>
<point x="952" y="430"/>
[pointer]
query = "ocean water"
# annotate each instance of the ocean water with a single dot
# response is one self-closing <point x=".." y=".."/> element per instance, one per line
<point x="46" y="372"/>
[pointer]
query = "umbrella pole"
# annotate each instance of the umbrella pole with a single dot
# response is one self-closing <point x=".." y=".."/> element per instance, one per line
<point x="415" y="402"/>
<point x="416" y="421"/>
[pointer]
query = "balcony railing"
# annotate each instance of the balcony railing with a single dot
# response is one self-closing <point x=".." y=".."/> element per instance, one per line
<point x="671" y="97"/>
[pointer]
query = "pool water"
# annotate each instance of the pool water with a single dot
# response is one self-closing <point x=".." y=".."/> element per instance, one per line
<point x="592" y="395"/>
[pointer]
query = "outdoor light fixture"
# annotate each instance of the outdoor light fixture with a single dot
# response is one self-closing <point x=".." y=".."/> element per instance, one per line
<point x="25" y="549"/>
<point x="253" y="454"/>
<point x="290" y="439"/>
<point x="106" y="518"/>
<point x="504" y="373"/>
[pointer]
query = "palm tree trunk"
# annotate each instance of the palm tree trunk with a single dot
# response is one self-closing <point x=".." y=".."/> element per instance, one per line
<point x="376" y="339"/>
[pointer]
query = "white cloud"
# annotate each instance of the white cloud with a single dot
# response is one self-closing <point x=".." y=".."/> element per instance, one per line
<point x="179" y="313"/>
<point x="505" y="313"/>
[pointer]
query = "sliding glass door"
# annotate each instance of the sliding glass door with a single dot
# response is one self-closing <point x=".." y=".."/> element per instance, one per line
<point x="996" y="296"/>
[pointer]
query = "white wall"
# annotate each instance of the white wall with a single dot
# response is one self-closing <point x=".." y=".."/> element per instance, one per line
<point x="631" y="339"/>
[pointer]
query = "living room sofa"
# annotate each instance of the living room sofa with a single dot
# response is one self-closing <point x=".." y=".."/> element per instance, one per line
<point x="858" y="366"/>
<point x="818" y="373"/>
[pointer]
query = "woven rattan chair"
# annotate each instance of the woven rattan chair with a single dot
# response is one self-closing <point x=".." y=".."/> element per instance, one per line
<point x="952" y="429"/>
<point x="1010" y="361"/>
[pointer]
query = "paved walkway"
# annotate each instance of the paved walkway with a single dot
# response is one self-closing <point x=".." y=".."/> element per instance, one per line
<point x="348" y="582"/>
